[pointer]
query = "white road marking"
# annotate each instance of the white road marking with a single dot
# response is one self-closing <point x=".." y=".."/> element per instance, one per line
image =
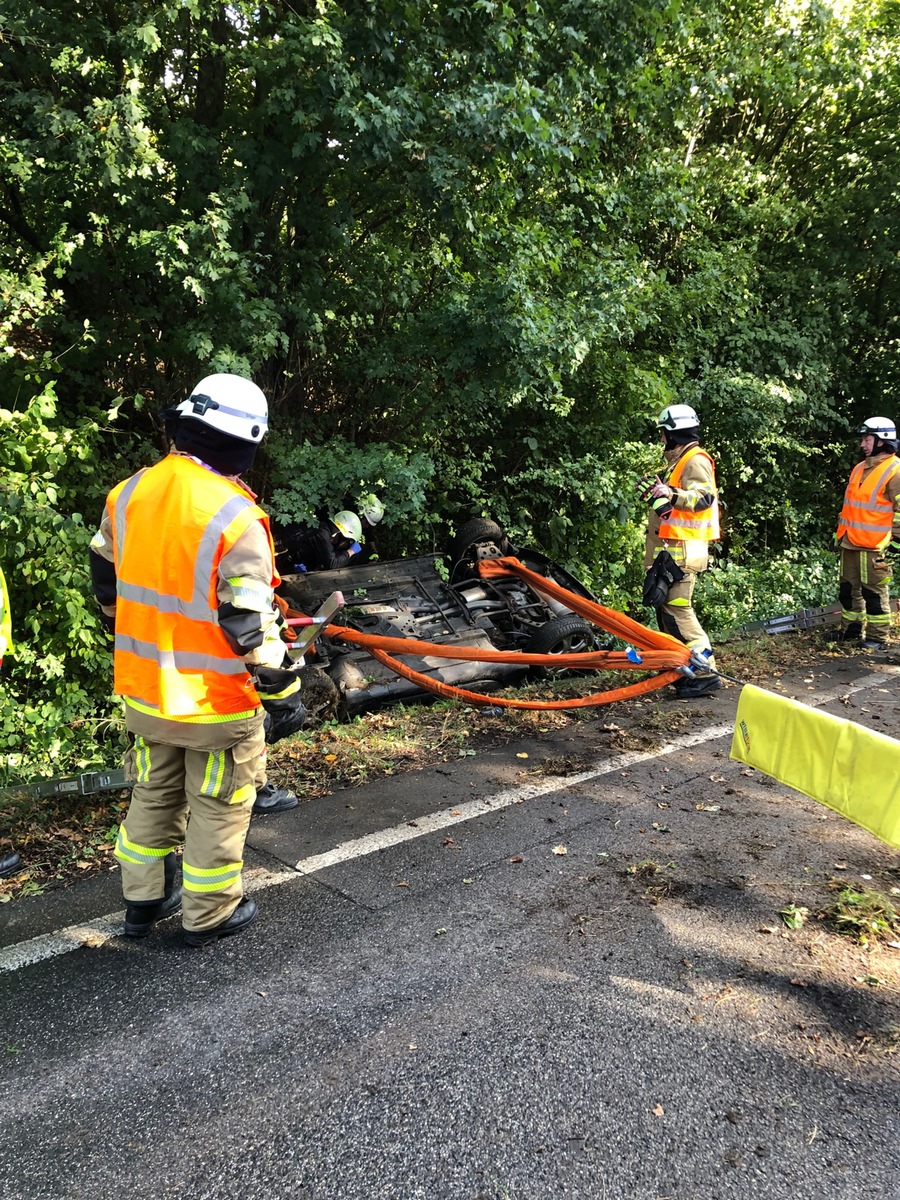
<point x="104" y="929"/>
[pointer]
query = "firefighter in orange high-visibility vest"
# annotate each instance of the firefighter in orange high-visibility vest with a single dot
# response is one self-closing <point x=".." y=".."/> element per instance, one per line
<point x="868" y="530"/>
<point x="683" y="520"/>
<point x="183" y="569"/>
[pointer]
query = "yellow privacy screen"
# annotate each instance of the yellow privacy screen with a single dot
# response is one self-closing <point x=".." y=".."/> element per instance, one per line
<point x="851" y="769"/>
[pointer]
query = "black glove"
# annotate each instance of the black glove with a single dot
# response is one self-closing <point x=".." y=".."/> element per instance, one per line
<point x="644" y="487"/>
<point x="279" y="691"/>
<point x="661" y="505"/>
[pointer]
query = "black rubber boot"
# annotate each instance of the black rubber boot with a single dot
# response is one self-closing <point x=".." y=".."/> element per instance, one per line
<point x="850" y="634"/>
<point x="270" y="799"/>
<point x="9" y="864"/>
<point x="142" y="915"/>
<point x="700" y="685"/>
<point x="245" y="914"/>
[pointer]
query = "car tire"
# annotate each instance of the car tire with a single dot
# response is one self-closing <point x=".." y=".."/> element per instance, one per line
<point x="561" y="635"/>
<point x="480" y="531"/>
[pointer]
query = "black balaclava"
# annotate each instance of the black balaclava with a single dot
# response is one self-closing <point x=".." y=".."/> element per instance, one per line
<point x="225" y="454"/>
<point x="681" y="437"/>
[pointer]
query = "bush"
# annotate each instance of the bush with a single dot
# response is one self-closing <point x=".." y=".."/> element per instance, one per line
<point x="731" y="594"/>
<point x="56" y="714"/>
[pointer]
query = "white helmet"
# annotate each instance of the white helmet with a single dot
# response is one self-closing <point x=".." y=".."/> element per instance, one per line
<point x="348" y="524"/>
<point x="230" y="404"/>
<point x="879" y="427"/>
<point x="678" y="416"/>
<point x="371" y="509"/>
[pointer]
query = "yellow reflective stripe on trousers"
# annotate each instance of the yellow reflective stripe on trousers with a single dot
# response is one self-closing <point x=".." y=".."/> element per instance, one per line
<point x="210" y="879"/>
<point x="141" y="760"/>
<point x="243" y="794"/>
<point x="133" y="852"/>
<point x="215" y="769"/>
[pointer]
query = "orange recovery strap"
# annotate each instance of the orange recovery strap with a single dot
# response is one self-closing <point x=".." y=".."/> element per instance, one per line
<point x="658" y="651"/>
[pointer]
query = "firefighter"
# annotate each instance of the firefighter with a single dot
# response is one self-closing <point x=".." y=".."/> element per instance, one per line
<point x="327" y="547"/>
<point x="9" y="863"/>
<point x="183" y="569"/>
<point x="683" y="520"/>
<point x="868" y="526"/>
<point x="371" y="513"/>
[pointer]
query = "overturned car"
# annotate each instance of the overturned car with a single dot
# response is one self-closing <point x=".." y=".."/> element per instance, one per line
<point x="440" y="600"/>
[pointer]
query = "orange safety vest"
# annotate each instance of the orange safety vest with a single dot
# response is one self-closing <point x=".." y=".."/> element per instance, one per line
<point x="683" y="525"/>
<point x="867" y="514"/>
<point x="171" y="525"/>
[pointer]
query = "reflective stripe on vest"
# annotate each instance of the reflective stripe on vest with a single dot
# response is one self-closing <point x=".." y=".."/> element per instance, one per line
<point x="172" y="524"/>
<point x="682" y="524"/>
<point x="867" y="514"/>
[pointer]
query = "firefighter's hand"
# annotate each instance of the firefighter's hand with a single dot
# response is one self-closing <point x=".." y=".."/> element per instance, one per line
<point x="279" y="691"/>
<point x="644" y="487"/>
<point x="660" y="490"/>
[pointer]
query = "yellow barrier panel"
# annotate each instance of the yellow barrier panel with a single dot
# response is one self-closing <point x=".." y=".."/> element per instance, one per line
<point x="853" y="770"/>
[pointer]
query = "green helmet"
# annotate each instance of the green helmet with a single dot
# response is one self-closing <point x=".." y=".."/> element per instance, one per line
<point x="370" y="508"/>
<point x="349" y="525"/>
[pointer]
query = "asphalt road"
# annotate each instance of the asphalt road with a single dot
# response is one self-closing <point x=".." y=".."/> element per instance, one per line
<point x="501" y="1006"/>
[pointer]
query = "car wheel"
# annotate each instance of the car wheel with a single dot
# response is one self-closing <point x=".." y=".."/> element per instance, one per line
<point x="562" y="635"/>
<point x="478" y="538"/>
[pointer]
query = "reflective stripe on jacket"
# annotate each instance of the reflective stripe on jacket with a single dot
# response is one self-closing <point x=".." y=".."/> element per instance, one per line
<point x="683" y="524"/>
<point x="867" y="515"/>
<point x="171" y="525"/>
<point x="5" y="621"/>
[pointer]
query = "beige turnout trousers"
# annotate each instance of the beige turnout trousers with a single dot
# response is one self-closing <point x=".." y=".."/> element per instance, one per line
<point x="865" y="594"/>
<point x="203" y="798"/>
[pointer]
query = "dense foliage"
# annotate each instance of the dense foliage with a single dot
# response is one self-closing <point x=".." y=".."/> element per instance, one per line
<point x="468" y="250"/>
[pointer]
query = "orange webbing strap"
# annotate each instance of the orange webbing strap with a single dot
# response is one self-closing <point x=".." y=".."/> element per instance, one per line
<point x="454" y="693"/>
<point x="607" y="618"/>
<point x="588" y="660"/>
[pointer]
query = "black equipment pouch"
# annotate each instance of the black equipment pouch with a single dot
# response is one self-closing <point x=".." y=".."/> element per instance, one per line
<point x="664" y="572"/>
